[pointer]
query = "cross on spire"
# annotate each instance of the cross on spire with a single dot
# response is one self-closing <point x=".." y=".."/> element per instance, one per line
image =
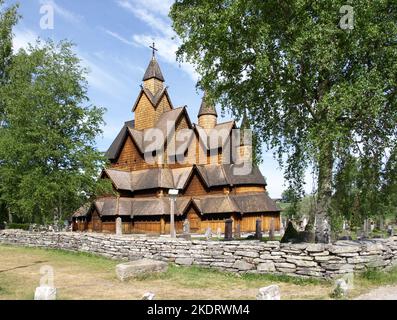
<point x="153" y="47"/>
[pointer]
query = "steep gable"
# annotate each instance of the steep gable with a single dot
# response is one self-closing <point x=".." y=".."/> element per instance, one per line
<point x="148" y="109"/>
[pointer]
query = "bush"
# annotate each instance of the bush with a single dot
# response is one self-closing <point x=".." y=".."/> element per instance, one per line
<point x="2" y="226"/>
<point x="18" y="226"/>
<point x="290" y="235"/>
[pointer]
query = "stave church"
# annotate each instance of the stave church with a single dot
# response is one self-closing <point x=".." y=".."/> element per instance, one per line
<point x="162" y="150"/>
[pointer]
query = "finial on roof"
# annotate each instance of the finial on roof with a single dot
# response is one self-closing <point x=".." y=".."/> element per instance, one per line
<point x="153" y="70"/>
<point x="207" y="108"/>
<point x="153" y="47"/>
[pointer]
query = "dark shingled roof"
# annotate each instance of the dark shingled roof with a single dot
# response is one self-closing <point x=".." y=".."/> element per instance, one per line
<point x="207" y="108"/>
<point x="149" y="179"/>
<point x="230" y="174"/>
<point x="153" y="71"/>
<point x="138" y="136"/>
<point x="114" y="149"/>
<point x="255" y="202"/>
<point x="216" y="204"/>
<point x="213" y="176"/>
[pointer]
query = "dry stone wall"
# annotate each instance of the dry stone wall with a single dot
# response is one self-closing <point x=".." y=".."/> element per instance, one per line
<point x="306" y="260"/>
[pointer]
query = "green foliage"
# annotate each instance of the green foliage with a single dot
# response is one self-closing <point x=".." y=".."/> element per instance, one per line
<point x="49" y="163"/>
<point x="291" y="234"/>
<point x="375" y="276"/>
<point x="315" y="93"/>
<point x="8" y="19"/>
<point x="18" y="226"/>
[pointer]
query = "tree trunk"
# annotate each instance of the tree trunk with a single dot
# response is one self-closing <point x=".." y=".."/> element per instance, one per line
<point x="10" y="219"/>
<point x="322" y="226"/>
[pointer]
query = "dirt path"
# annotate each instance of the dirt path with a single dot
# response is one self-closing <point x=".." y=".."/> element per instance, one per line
<point x="382" y="293"/>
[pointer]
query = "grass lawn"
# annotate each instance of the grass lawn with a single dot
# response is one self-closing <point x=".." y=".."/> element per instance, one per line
<point x="83" y="276"/>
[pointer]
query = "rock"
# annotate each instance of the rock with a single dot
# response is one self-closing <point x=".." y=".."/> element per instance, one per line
<point x="184" y="261"/>
<point x="363" y="259"/>
<point x="315" y="247"/>
<point x="302" y="263"/>
<point x="285" y="265"/>
<point x="249" y="254"/>
<point x="269" y="293"/>
<point x="137" y="268"/>
<point x="148" y="296"/>
<point x="266" y="267"/>
<point x="242" y="265"/>
<point x="344" y="249"/>
<point x="45" y="293"/>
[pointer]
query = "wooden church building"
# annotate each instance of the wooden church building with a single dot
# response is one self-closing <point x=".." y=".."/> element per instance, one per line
<point x="142" y="172"/>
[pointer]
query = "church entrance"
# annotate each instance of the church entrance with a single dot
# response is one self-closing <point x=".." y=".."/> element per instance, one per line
<point x="194" y="220"/>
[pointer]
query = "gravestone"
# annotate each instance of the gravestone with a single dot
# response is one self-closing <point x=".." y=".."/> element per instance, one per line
<point x="271" y="231"/>
<point x="148" y="296"/>
<point x="258" y="230"/>
<point x="208" y="233"/>
<point x="186" y="227"/>
<point x="390" y="231"/>
<point x="119" y="226"/>
<point x="45" y="293"/>
<point x="365" y="233"/>
<point x="269" y="293"/>
<point x="341" y="288"/>
<point x="237" y="232"/>
<point x="219" y="232"/>
<point x="228" y="229"/>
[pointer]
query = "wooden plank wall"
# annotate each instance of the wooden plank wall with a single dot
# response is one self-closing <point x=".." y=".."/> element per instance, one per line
<point x="198" y="223"/>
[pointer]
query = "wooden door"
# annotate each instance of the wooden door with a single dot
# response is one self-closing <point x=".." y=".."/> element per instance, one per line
<point x="194" y="220"/>
<point x="96" y="222"/>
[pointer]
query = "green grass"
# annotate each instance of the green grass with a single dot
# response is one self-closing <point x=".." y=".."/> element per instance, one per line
<point x="377" y="277"/>
<point x="20" y="283"/>
<point x="203" y="277"/>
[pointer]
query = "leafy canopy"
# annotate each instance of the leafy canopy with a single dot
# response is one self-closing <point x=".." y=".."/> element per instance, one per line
<point x="317" y="94"/>
<point x="49" y="163"/>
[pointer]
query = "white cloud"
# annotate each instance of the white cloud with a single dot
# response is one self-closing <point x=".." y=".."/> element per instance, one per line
<point x="119" y="37"/>
<point x="64" y="13"/>
<point x="99" y="78"/>
<point x="161" y="7"/>
<point x="22" y="38"/>
<point x="154" y="13"/>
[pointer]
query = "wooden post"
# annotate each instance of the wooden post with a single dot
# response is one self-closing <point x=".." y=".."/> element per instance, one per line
<point x="172" y="220"/>
<point x="237" y="232"/>
<point x="162" y="225"/>
<point x="228" y="229"/>
<point x="271" y="231"/>
<point x="258" y="229"/>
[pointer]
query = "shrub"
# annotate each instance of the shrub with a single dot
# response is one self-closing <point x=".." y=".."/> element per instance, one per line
<point x="18" y="226"/>
<point x="290" y="235"/>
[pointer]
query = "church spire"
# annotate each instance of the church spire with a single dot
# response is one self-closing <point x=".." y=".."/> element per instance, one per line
<point x="207" y="108"/>
<point x="153" y="70"/>
<point x="207" y="117"/>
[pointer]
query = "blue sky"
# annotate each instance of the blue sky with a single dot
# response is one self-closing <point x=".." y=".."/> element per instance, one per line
<point x="112" y="38"/>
